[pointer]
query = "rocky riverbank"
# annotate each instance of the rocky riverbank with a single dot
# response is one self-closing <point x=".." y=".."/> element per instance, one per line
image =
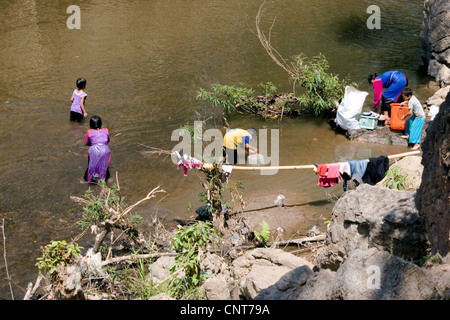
<point x="376" y="247"/>
<point x="381" y="243"/>
<point x="435" y="39"/>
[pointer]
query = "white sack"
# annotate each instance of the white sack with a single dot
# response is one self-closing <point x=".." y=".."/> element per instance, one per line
<point x="347" y="116"/>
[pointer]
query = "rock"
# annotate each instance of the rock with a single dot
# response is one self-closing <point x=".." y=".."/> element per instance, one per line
<point x="439" y="97"/>
<point x="160" y="269"/>
<point x="314" y="231"/>
<point x="213" y="264"/>
<point x="162" y="296"/>
<point x="379" y="135"/>
<point x="288" y="286"/>
<point x="373" y="216"/>
<point x="435" y="39"/>
<point x="260" y="268"/>
<point x="433" y="196"/>
<point x="412" y="168"/>
<point x="317" y="286"/>
<point x="372" y="274"/>
<point x="221" y="288"/>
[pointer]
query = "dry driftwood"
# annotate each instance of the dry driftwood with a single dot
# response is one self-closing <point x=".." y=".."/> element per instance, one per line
<point x="137" y="256"/>
<point x="300" y="241"/>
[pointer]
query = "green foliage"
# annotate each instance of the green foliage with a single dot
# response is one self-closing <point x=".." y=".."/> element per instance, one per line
<point x="97" y="207"/>
<point x="268" y="89"/>
<point x="395" y="179"/>
<point x="57" y="253"/>
<point x="140" y="286"/>
<point x="194" y="131"/>
<point x="264" y="235"/>
<point x="136" y="220"/>
<point x="323" y="89"/>
<point x="188" y="241"/>
<point x="228" y="97"/>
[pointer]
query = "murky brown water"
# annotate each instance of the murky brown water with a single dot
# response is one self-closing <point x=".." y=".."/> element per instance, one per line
<point x="144" y="62"/>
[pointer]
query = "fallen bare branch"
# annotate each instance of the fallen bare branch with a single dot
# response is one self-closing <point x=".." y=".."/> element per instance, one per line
<point x="6" y="262"/>
<point x="137" y="256"/>
<point x="301" y="241"/>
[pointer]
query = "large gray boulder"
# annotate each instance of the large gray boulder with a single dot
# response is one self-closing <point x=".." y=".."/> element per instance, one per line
<point x="369" y="274"/>
<point x="263" y="267"/>
<point x="435" y="39"/>
<point x="434" y="193"/>
<point x="300" y="283"/>
<point x="372" y="274"/>
<point x="373" y="216"/>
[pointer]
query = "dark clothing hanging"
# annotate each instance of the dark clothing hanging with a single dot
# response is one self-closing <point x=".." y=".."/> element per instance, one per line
<point x="376" y="170"/>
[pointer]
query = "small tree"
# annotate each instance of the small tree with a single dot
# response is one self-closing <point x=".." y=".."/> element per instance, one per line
<point x="323" y="89"/>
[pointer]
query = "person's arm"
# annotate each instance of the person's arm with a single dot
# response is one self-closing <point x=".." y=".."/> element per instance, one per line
<point x="87" y="141"/>
<point x="410" y="112"/>
<point x="250" y="148"/>
<point x="71" y="99"/>
<point x="82" y="106"/>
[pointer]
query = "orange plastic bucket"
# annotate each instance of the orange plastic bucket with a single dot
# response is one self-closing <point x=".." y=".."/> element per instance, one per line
<point x="397" y="111"/>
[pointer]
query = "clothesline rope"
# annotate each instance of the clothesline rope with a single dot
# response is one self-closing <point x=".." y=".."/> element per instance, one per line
<point x="311" y="166"/>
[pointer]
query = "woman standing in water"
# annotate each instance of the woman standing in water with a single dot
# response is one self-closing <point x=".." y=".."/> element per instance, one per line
<point x="99" y="154"/>
<point x="393" y="82"/>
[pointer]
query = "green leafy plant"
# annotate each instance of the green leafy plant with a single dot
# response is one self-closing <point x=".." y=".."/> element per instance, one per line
<point x="229" y="98"/>
<point x="96" y="207"/>
<point x="194" y="131"/>
<point x="267" y="89"/>
<point x="57" y="253"/>
<point x="395" y="179"/>
<point x="323" y="89"/>
<point x="188" y="242"/>
<point x="264" y="235"/>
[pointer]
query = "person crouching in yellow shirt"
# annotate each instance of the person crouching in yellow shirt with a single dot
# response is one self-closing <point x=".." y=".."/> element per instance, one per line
<point x="236" y="139"/>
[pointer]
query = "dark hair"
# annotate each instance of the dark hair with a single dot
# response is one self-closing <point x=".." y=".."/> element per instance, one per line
<point x="407" y="91"/>
<point x="372" y="77"/>
<point x="95" y="122"/>
<point x="81" y="83"/>
<point x="252" y="132"/>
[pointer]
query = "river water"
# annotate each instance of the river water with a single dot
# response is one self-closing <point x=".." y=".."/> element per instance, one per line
<point x="144" y="62"/>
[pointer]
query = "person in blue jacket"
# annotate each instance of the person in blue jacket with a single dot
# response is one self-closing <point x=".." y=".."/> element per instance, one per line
<point x="393" y="82"/>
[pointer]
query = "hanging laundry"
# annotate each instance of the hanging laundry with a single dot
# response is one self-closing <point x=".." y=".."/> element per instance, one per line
<point x="376" y="170"/>
<point x="345" y="170"/>
<point x="358" y="169"/>
<point x="227" y="171"/>
<point x="346" y="173"/>
<point x="321" y="169"/>
<point x="187" y="163"/>
<point x="329" y="178"/>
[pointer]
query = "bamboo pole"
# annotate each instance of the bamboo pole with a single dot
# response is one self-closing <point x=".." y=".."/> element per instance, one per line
<point x="311" y="166"/>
